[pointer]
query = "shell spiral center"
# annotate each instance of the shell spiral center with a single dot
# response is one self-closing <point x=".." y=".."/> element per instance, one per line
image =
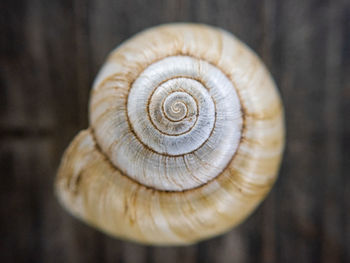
<point x="176" y="106"/>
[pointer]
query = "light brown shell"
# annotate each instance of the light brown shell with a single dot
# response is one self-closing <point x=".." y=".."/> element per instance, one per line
<point x="94" y="185"/>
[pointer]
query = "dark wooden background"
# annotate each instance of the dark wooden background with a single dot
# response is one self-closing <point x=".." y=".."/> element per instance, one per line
<point x="50" y="54"/>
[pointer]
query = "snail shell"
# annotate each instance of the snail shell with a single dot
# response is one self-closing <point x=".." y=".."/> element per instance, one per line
<point x="185" y="138"/>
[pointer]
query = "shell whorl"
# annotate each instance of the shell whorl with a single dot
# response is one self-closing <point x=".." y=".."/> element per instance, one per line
<point x="185" y="139"/>
<point x="179" y="124"/>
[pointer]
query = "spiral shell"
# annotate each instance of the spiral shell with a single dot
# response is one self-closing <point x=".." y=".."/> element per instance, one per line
<point x="185" y="138"/>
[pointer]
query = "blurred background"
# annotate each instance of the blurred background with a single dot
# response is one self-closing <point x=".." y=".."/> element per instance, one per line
<point x="49" y="55"/>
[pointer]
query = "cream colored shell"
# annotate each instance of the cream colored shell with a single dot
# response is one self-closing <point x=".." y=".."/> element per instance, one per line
<point x="185" y="139"/>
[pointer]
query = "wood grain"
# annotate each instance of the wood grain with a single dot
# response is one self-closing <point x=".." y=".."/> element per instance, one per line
<point x="50" y="52"/>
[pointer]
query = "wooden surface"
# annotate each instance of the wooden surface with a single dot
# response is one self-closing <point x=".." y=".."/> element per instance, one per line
<point x="50" y="54"/>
